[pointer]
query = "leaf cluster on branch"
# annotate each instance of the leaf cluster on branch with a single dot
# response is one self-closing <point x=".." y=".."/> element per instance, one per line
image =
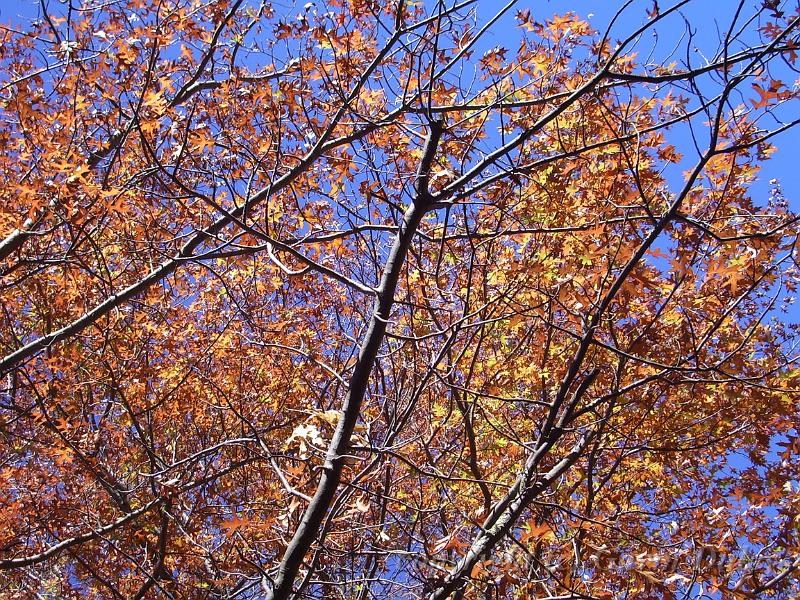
<point x="338" y="300"/>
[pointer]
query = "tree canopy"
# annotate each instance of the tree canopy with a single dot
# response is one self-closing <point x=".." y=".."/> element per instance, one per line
<point x="397" y="300"/>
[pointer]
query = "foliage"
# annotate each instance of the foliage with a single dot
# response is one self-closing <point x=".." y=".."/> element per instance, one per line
<point x="336" y="301"/>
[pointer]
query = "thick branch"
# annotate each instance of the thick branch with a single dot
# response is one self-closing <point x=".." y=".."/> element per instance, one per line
<point x="339" y="445"/>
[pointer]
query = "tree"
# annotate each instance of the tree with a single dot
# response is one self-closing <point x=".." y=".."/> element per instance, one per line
<point x="337" y="301"/>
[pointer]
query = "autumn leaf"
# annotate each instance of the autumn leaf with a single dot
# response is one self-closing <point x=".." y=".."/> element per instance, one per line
<point x="533" y="532"/>
<point x="768" y="96"/>
<point x="234" y="524"/>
